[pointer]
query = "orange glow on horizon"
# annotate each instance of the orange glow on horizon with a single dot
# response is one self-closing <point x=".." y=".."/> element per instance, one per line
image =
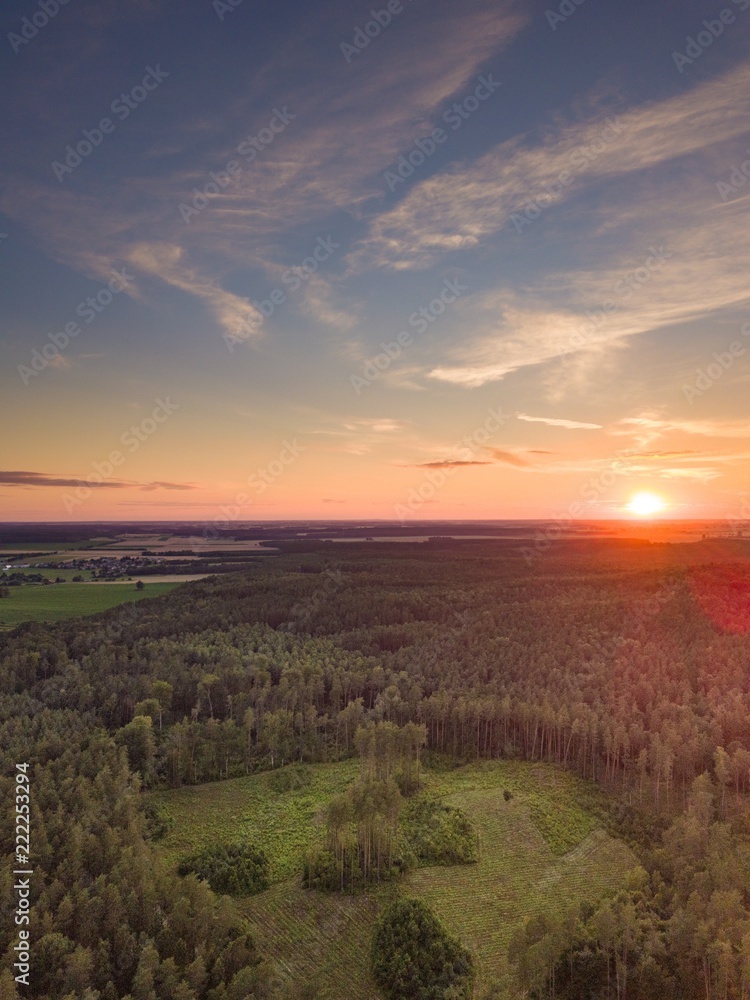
<point x="646" y="504"/>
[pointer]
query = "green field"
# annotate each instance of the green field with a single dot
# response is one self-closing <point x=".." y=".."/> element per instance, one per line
<point x="54" y="546"/>
<point x="542" y="850"/>
<point x="69" y="600"/>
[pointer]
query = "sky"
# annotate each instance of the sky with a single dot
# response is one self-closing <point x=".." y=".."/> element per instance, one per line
<point x="394" y="260"/>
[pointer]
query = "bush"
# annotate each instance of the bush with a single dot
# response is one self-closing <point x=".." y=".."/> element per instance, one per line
<point x="291" y="778"/>
<point x="440" y="834"/>
<point x="414" y="957"/>
<point x="235" y="869"/>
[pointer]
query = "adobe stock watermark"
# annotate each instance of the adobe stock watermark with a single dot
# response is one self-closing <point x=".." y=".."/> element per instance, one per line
<point x="420" y="320"/>
<point x="224" y="7"/>
<point x="31" y="26"/>
<point x="437" y="476"/>
<point x="723" y="360"/>
<point x="88" y="309"/>
<point x="563" y="13"/>
<point x="122" y="106"/>
<point x="249" y="148"/>
<point x="737" y="179"/>
<point x="131" y="440"/>
<point x="364" y="34"/>
<point x="712" y="29"/>
<point x="580" y="159"/>
<point x="590" y="493"/>
<point x="427" y="146"/>
<point x="293" y="279"/>
<point x="624" y="288"/>
<point x="22" y="867"/>
<point x="260" y="480"/>
<point x="740" y="522"/>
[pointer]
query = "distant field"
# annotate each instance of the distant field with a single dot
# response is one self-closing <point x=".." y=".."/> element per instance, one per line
<point x="51" y="574"/>
<point x="542" y="850"/>
<point x="16" y="547"/>
<point x="69" y="600"/>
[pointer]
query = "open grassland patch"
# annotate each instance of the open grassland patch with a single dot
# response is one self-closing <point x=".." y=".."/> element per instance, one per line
<point x="316" y="939"/>
<point x="284" y="824"/>
<point x="521" y="870"/>
<point x="541" y="850"/>
<point x="69" y="600"/>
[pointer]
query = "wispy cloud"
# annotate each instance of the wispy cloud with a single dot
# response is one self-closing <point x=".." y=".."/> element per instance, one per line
<point x="448" y="463"/>
<point x="508" y="458"/>
<point x="656" y="426"/>
<point x="461" y="207"/>
<point x="559" y="422"/>
<point x="330" y="158"/>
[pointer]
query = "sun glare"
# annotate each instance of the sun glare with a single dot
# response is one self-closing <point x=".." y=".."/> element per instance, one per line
<point x="646" y="504"/>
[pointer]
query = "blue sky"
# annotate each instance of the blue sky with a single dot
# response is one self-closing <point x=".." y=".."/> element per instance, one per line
<point x="575" y="233"/>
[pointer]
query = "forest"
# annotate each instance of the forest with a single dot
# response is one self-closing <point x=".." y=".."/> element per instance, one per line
<point x="622" y="661"/>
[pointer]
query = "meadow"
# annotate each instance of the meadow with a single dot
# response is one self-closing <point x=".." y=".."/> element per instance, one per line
<point x="57" y="602"/>
<point x="543" y="848"/>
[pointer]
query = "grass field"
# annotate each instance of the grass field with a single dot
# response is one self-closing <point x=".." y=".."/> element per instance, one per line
<point x="69" y="600"/>
<point x="544" y="849"/>
<point x="52" y="546"/>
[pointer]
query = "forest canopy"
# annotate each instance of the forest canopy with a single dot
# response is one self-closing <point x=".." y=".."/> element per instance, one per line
<point x="626" y="663"/>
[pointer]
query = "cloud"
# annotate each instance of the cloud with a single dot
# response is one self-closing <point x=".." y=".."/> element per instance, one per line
<point x="460" y="207"/>
<point x="716" y="428"/>
<point x="508" y="458"/>
<point x="329" y="158"/>
<point x="591" y="313"/>
<point x="448" y="464"/>
<point x="649" y="253"/>
<point x="559" y="422"/>
<point x="157" y="485"/>
<point x="43" y="479"/>
<point x="233" y="313"/>
<point x="358" y="436"/>
<point x="319" y="302"/>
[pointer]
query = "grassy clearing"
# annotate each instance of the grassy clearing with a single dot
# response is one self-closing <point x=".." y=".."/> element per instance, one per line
<point x="69" y="600"/>
<point x="541" y="850"/>
<point x="284" y="824"/>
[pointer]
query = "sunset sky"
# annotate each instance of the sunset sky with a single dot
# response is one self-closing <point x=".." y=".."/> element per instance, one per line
<point x="213" y="217"/>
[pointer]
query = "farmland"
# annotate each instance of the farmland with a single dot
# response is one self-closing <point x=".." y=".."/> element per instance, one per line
<point x="70" y="600"/>
<point x="544" y="844"/>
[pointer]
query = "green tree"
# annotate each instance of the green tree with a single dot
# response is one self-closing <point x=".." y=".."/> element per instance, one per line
<point x="414" y="957"/>
<point x="138" y="739"/>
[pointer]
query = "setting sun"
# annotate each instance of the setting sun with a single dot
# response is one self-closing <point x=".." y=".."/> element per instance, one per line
<point x="645" y="504"/>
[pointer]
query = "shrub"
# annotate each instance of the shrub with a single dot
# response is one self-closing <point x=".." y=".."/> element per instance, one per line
<point x="235" y="869"/>
<point x="289" y="779"/>
<point x="440" y="834"/>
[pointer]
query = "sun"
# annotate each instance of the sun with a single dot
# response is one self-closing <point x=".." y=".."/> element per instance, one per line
<point x="646" y="504"/>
